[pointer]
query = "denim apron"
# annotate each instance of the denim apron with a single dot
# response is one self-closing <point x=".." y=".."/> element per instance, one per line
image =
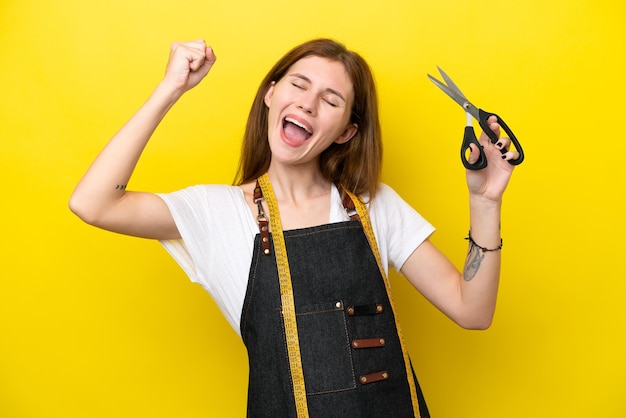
<point x="350" y="350"/>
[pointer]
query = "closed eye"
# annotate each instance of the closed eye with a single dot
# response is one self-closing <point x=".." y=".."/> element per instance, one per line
<point x="331" y="96"/>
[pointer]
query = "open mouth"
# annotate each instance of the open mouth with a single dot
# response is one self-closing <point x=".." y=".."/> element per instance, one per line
<point x="296" y="130"/>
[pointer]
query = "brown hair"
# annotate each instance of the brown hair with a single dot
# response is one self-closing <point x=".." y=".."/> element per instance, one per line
<point x="356" y="164"/>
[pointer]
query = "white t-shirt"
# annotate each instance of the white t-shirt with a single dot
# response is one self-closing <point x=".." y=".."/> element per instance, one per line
<point x="218" y="230"/>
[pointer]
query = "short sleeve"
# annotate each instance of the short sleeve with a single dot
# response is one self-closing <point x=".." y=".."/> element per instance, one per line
<point x="217" y="235"/>
<point x="399" y="228"/>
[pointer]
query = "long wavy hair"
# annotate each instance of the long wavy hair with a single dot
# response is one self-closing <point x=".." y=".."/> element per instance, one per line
<point x="355" y="165"/>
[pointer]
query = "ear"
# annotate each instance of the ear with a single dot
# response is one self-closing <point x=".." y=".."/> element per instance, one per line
<point x="348" y="134"/>
<point x="268" y="95"/>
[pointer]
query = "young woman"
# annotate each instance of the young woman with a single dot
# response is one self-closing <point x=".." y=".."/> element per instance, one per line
<point x="296" y="253"/>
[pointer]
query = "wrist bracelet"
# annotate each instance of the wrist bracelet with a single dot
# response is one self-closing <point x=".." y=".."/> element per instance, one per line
<point x="483" y="249"/>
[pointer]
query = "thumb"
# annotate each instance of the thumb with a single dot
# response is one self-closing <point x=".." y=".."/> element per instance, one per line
<point x="204" y="64"/>
<point x="210" y="55"/>
<point x="209" y="59"/>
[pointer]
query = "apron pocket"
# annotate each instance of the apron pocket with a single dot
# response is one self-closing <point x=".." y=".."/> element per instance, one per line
<point x="325" y="348"/>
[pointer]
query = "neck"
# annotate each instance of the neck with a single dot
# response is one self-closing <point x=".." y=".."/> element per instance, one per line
<point x="297" y="184"/>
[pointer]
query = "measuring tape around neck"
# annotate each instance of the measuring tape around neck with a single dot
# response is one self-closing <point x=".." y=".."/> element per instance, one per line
<point x="287" y="301"/>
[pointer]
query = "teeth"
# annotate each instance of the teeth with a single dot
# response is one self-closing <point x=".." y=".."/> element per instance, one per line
<point x="295" y="122"/>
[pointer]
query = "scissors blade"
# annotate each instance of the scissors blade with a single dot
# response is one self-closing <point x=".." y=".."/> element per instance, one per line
<point x="452" y="93"/>
<point x="451" y="83"/>
<point x="452" y="90"/>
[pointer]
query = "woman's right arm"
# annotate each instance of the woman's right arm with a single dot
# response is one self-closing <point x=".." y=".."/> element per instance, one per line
<point x="101" y="198"/>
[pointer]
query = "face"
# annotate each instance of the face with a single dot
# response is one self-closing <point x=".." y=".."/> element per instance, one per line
<point x="309" y="109"/>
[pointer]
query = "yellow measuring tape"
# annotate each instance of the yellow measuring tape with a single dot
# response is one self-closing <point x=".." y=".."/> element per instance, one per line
<point x="288" y="305"/>
<point x="361" y="209"/>
<point x="286" y="295"/>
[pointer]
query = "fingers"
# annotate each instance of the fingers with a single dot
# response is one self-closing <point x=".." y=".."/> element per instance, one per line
<point x="492" y="121"/>
<point x="502" y="144"/>
<point x="188" y="64"/>
<point x="509" y="155"/>
<point x="195" y="52"/>
<point x="474" y="153"/>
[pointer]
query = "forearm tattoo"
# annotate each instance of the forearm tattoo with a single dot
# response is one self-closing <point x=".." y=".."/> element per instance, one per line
<point x="472" y="263"/>
<point x="120" y="187"/>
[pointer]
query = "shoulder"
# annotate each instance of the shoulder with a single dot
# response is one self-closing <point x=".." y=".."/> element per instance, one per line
<point x="210" y="210"/>
<point x="206" y="200"/>
<point x="387" y="192"/>
<point x="389" y="208"/>
<point x="386" y="198"/>
<point x="204" y="191"/>
<point x="399" y="227"/>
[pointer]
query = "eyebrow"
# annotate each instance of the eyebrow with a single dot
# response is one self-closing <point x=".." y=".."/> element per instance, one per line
<point x="328" y="89"/>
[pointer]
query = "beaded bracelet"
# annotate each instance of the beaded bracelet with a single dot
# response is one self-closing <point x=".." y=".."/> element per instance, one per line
<point x="483" y="249"/>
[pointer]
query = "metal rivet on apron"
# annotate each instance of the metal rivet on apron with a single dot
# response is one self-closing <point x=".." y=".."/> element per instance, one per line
<point x="363" y="379"/>
<point x="382" y="341"/>
<point x="266" y="252"/>
<point x="264" y="228"/>
<point x="355" y="343"/>
<point x="338" y="304"/>
<point x="350" y="310"/>
<point x="265" y="239"/>
<point x="379" y="308"/>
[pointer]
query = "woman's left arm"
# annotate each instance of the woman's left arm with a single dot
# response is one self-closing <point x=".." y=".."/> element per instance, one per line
<point x="469" y="297"/>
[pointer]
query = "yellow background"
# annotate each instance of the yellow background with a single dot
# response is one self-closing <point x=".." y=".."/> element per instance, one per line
<point x="98" y="325"/>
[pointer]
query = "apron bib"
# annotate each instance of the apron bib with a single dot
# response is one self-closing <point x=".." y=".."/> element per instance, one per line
<point x="350" y="353"/>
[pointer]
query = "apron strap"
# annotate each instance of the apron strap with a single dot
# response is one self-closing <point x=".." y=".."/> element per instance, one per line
<point x="262" y="220"/>
<point x="347" y="200"/>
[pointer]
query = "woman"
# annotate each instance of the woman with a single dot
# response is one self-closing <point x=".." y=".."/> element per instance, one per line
<point x="311" y="301"/>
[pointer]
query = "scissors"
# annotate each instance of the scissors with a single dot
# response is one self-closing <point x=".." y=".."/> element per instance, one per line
<point x="481" y="116"/>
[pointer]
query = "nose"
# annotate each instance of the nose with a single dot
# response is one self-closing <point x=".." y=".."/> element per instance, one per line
<point x="305" y="109"/>
<point x="306" y="103"/>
